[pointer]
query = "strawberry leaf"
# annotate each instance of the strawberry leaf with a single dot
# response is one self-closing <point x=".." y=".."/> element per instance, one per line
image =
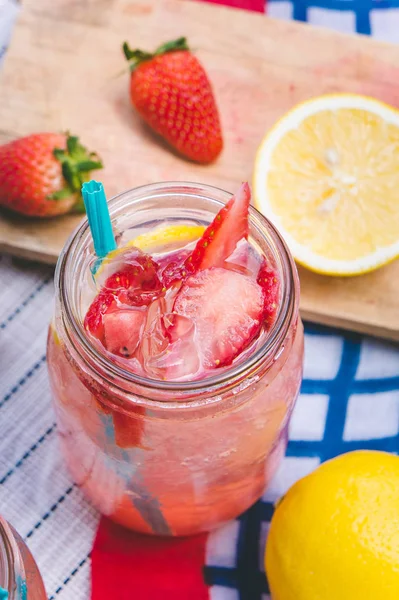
<point x="71" y="175"/>
<point x="88" y="165"/>
<point x="137" y="56"/>
<point x="76" y="164"/>
<point x="73" y="145"/>
<point x="66" y="192"/>
<point x="179" y="44"/>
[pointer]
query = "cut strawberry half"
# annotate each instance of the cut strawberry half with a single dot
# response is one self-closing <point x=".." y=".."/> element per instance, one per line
<point x="122" y="331"/>
<point x="223" y="234"/>
<point x="227" y="308"/>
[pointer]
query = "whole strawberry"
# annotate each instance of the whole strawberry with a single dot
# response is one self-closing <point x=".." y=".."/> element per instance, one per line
<point x="172" y="93"/>
<point x="41" y="175"/>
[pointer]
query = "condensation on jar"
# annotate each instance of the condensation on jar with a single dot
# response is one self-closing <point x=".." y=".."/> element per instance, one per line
<point x="19" y="576"/>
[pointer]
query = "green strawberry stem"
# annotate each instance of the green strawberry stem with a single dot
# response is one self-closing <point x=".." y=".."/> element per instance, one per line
<point x="136" y="57"/>
<point x="77" y="164"/>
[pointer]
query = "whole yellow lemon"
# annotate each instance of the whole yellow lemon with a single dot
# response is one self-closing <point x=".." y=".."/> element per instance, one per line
<point x="335" y="534"/>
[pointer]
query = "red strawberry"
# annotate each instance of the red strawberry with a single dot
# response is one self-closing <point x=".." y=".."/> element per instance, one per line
<point x="172" y="93"/>
<point x="41" y="175"/>
<point x="227" y="309"/>
<point x="136" y="284"/>
<point x="220" y="239"/>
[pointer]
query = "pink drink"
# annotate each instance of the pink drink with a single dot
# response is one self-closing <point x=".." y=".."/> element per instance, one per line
<point x="174" y="371"/>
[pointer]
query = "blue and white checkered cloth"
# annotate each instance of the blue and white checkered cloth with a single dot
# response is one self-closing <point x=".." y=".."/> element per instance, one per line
<point x="349" y="400"/>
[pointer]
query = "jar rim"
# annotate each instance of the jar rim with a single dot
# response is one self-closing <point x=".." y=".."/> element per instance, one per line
<point x="272" y="342"/>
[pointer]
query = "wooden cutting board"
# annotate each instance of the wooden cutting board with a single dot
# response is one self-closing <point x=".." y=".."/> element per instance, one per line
<point x="63" y="72"/>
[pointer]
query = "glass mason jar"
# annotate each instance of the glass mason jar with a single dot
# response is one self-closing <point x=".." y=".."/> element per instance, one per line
<point x="161" y="457"/>
<point x="19" y="575"/>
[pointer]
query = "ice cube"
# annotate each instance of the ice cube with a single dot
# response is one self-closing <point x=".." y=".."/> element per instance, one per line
<point x="244" y="259"/>
<point x="154" y="340"/>
<point x="178" y="327"/>
<point x="179" y="361"/>
<point x="170" y="295"/>
<point x="167" y="350"/>
<point x="181" y="358"/>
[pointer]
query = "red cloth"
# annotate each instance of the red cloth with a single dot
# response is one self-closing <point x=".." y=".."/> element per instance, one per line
<point x="130" y="566"/>
<point x="127" y="566"/>
<point x="255" y="5"/>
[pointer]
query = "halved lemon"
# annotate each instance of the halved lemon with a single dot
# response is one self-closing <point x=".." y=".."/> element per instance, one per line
<point x="327" y="176"/>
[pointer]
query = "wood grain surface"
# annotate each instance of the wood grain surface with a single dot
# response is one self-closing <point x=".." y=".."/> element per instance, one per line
<point x="65" y="71"/>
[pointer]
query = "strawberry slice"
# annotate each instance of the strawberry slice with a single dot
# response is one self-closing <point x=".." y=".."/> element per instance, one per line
<point x="223" y="234"/>
<point x="135" y="284"/>
<point x="122" y="331"/>
<point x="129" y="429"/>
<point x="269" y="283"/>
<point x="117" y="316"/>
<point x="101" y="304"/>
<point x="227" y="309"/>
<point x="172" y="267"/>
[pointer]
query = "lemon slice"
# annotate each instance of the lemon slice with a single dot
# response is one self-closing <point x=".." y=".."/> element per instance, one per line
<point x="327" y="176"/>
<point x="165" y="237"/>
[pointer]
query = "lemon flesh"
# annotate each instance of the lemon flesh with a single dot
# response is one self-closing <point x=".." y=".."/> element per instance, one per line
<point x="166" y="235"/>
<point x="335" y="534"/>
<point x="327" y="175"/>
<point x="161" y="239"/>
